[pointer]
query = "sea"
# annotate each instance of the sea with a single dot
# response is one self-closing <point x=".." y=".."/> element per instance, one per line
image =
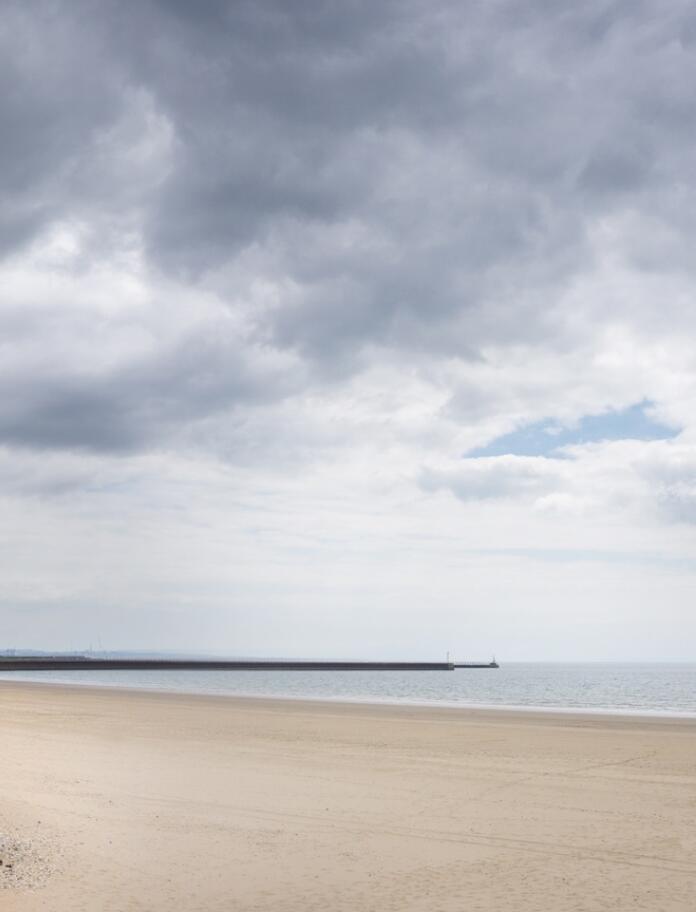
<point x="645" y="689"/>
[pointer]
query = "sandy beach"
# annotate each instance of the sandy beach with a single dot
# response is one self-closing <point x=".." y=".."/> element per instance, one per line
<point x="118" y="800"/>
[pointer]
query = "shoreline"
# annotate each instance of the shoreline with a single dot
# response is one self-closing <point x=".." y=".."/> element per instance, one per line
<point x="452" y="711"/>
<point x="561" y="712"/>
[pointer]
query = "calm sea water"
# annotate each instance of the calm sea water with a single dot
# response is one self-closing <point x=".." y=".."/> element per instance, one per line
<point x="665" y="689"/>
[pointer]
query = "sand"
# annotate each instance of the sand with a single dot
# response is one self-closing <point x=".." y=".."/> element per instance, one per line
<point x="120" y="800"/>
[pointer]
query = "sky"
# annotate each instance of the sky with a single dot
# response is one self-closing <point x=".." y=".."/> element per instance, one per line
<point x="349" y="329"/>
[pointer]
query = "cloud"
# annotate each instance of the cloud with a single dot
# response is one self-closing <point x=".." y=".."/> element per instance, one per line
<point x="99" y="358"/>
<point x="499" y="477"/>
<point x="625" y="480"/>
<point x="444" y="190"/>
<point x="400" y="186"/>
<point x="140" y="402"/>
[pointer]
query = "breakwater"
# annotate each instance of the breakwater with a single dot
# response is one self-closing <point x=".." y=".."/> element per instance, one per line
<point x="88" y="663"/>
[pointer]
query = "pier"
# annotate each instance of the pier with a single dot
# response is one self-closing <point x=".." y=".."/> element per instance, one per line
<point x="87" y="663"/>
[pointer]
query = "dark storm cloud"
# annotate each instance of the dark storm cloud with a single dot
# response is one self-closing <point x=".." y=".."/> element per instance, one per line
<point x="141" y="402"/>
<point x="56" y="97"/>
<point x="415" y="176"/>
<point x="471" y="145"/>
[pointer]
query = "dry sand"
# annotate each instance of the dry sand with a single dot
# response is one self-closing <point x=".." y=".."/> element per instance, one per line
<point x="129" y="801"/>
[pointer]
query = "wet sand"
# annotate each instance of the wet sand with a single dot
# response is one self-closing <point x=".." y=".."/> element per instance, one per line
<point x="123" y="800"/>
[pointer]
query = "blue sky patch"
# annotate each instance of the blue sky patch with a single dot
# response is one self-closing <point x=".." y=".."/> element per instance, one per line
<point x="544" y="437"/>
